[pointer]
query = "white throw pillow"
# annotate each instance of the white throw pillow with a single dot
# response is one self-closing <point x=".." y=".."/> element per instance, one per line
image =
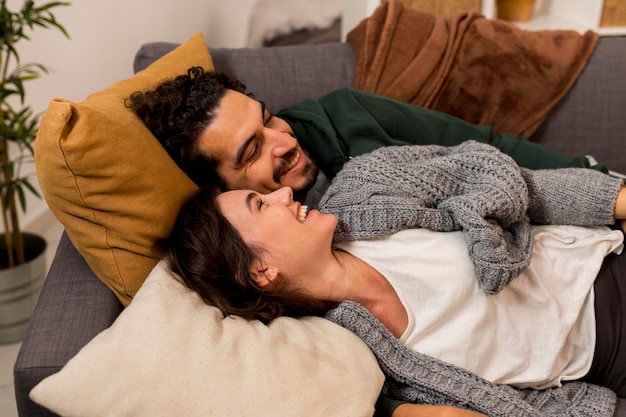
<point x="170" y="354"/>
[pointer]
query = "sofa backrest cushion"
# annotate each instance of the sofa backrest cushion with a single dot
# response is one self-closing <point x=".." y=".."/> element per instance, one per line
<point x="279" y="76"/>
<point x="107" y="178"/>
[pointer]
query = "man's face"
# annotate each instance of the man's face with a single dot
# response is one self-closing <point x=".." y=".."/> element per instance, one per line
<point x="255" y="150"/>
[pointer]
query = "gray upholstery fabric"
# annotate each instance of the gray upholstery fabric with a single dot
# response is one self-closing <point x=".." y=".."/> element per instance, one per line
<point x="591" y="118"/>
<point x="74" y="305"/>
<point x="279" y="76"/>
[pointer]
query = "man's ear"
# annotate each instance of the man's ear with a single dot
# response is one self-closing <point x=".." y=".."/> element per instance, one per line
<point x="263" y="275"/>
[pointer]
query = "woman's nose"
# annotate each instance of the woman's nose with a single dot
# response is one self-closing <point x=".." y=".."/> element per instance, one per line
<point x="284" y="195"/>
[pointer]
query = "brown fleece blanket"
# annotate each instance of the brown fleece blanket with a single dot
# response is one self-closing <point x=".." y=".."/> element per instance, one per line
<point x="484" y="71"/>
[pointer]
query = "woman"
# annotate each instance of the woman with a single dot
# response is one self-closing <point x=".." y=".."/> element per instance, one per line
<point x="530" y="320"/>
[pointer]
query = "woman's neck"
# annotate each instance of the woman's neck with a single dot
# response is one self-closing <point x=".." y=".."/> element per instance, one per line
<point x="365" y="285"/>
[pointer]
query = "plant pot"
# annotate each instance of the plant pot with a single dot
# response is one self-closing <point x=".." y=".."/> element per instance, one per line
<point x="515" y="10"/>
<point x="20" y="287"/>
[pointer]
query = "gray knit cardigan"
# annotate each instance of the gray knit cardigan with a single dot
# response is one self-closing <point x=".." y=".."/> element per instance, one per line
<point x="474" y="188"/>
<point x="421" y="379"/>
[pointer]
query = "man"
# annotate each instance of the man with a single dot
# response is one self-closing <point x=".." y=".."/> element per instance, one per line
<point x="219" y="134"/>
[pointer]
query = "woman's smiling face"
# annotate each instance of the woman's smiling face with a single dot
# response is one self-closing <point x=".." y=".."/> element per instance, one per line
<point x="289" y="237"/>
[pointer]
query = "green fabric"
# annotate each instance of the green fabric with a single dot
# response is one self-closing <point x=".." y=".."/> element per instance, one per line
<point x="350" y="122"/>
<point x="385" y="406"/>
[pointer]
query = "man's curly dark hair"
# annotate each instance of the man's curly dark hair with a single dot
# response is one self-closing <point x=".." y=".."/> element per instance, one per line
<point x="178" y="110"/>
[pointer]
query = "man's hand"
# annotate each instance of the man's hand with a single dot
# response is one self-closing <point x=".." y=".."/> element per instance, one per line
<point x="415" y="410"/>
<point x="620" y="208"/>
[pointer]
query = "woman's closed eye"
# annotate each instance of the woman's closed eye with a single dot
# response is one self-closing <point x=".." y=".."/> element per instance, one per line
<point x="254" y="202"/>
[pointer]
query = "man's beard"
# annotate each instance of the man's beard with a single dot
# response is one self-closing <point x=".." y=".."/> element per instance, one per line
<point x="309" y="174"/>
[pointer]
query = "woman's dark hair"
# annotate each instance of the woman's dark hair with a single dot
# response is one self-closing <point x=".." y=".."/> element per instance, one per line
<point x="178" y="110"/>
<point x="213" y="260"/>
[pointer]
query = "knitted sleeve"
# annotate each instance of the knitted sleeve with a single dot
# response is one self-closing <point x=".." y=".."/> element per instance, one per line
<point x="577" y="196"/>
<point x="471" y="187"/>
<point x="418" y="378"/>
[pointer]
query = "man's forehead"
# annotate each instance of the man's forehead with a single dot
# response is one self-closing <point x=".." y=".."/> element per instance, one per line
<point x="232" y="128"/>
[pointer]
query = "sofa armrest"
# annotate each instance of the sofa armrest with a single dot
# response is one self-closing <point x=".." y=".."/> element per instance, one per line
<point x="73" y="307"/>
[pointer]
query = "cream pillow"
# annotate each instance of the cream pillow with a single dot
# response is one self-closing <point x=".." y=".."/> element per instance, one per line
<point x="169" y="354"/>
<point x="108" y="180"/>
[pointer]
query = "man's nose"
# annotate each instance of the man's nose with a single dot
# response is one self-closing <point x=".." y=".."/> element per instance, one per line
<point x="280" y="142"/>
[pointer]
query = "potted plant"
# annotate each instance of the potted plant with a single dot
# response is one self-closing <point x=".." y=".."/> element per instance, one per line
<point x="21" y="253"/>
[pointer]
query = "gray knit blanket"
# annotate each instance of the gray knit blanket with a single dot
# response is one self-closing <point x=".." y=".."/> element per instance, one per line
<point x="418" y="378"/>
<point x="471" y="187"/>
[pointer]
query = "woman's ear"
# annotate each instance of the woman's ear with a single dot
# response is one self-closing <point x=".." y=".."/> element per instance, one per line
<point x="263" y="275"/>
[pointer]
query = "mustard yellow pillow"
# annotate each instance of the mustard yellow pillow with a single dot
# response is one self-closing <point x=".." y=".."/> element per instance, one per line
<point x="108" y="180"/>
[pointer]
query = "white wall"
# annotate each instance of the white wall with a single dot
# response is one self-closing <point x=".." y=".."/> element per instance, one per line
<point x="105" y="34"/>
<point x="354" y="11"/>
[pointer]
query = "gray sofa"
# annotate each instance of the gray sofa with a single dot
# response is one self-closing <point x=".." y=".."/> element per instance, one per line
<point x="74" y="305"/>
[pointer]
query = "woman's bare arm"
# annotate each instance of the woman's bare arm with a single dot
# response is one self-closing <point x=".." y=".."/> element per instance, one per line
<point x="415" y="410"/>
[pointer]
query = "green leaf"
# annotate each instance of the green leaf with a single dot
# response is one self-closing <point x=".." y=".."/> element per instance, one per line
<point x="21" y="197"/>
<point x="31" y="188"/>
<point x="18" y="123"/>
